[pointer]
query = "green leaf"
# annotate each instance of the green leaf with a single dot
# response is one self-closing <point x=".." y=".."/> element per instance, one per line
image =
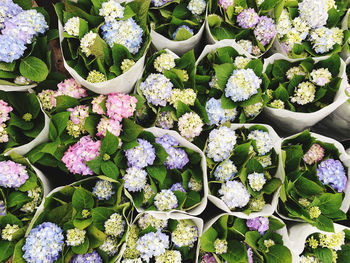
<point x="281" y="93"/>
<point x="65" y="102"/>
<point x="17" y="199"/>
<point x="182" y="35"/>
<point x="97" y="237"/>
<point x="278" y="254"/>
<point x="256" y="65"/>
<point x="324" y="255"/>
<point x="130" y="130"/>
<point x="214" y="20"/>
<point x="207" y="240"/>
<point x="82" y="199"/>
<point x="254" y="166"/>
<point x="101" y="50"/>
<point x="83" y="248"/>
<point x="33" y="69"/>
<point x="279" y="69"/>
<point x="157" y="172"/>
<point x="324" y="223"/>
<point x="100" y="215"/>
<point x="308" y="187"/>
<point x="182" y="108"/>
<point x="275" y="224"/>
<point x="227" y="103"/>
<point x="193" y="198"/>
<point x="30" y="183"/>
<point x="272" y="185"/>
<point x="109" y="144"/>
<point x="251" y="238"/>
<point x="344" y="254"/>
<point x="83" y="27"/>
<point x="223" y="73"/>
<point x="330" y="203"/>
<point x="25" y="4"/>
<point x="95" y="164"/>
<point x="82" y="223"/>
<point x="236" y="252"/>
<point x="18" y="253"/>
<point x="269" y="4"/>
<point x="7" y="66"/>
<point x="110" y="170"/>
<point x="6" y="249"/>
<point x="60" y="215"/>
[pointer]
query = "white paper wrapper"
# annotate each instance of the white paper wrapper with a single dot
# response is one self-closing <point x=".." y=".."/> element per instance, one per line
<point x="17" y="87"/>
<point x="270" y="208"/>
<point x="183" y="142"/>
<point x="300" y="232"/>
<point x="176" y="216"/>
<point x="122" y="84"/>
<point x="345" y="25"/>
<point x="344" y="158"/>
<point x="298" y="121"/>
<point x="283" y="231"/>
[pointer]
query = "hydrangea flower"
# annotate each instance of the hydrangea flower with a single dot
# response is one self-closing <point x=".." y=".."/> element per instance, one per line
<point x="190" y="125"/>
<point x="20" y="80"/>
<point x="95" y="76"/>
<point x="8" y="9"/>
<point x="257" y="204"/>
<point x="248" y="18"/>
<point x="242" y="84"/>
<point x="142" y="155"/>
<point x="3" y="133"/>
<point x="110" y="246"/>
<point x="127" y="64"/>
<point x="92" y="257"/>
<point x="164" y="62"/>
<point x="251" y="111"/>
<point x="177" y="158"/>
<point x="221" y="143"/>
<point x="195" y="185"/>
<point x="147" y="220"/>
<point x="173" y="256"/>
<point x="277" y="104"/>
<point x="76" y="124"/>
<point x="234" y="194"/>
<point x="43" y="244"/>
<point x="241" y="62"/>
<point x="177" y="187"/>
<point x="103" y="190"/>
<point x="97" y="104"/>
<point x="114" y="226"/>
<point x="265" y="30"/>
<point x="111" y="125"/>
<point x="265" y="160"/>
<point x="165" y="120"/>
<point x="111" y="10"/>
<point x="260" y="224"/>
<point x="332" y="241"/>
<point x="216" y="114"/>
<point x="159" y="3"/>
<point x="295" y="71"/>
<point x="263" y="141"/>
<point x="225" y="171"/>
<point x="165" y="200"/>
<point x="313" y="12"/>
<point x="152" y="244"/>
<point x="226" y="3"/>
<point x="185" y="234"/>
<point x="10" y="49"/>
<point x="75" y="237"/>
<point x="69" y="87"/>
<point x="5" y="110"/>
<point x="256" y="181"/>
<point x="304" y="93"/>
<point x="2" y="208"/>
<point x="135" y="179"/>
<point x="247" y="45"/>
<point x="47" y="99"/>
<point x="208" y="258"/>
<point x="8" y="232"/>
<point x="314" y="154"/>
<point x="12" y="175"/>
<point x="185" y="27"/>
<point x="284" y="24"/>
<point x="157" y="89"/>
<point x="120" y="106"/>
<point x="323" y="39"/>
<point x="331" y="172"/>
<point x="186" y="96"/>
<point x="72" y="26"/>
<point x="87" y="41"/>
<point x="197" y="7"/>
<point x="124" y="32"/>
<point x="220" y="246"/>
<point x="77" y="155"/>
<point x="167" y="141"/>
<point x="321" y="76"/>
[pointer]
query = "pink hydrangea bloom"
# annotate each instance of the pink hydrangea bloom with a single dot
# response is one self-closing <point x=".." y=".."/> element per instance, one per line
<point x="79" y="114"/>
<point x="4" y="111"/>
<point x="314" y="154"/>
<point x="12" y="175"/>
<point x="96" y="104"/>
<point x="77" y="155"/>
<point x="70" y="87"/>
<point x="120" y="106"/>
<point x="111" y="125"/>
<point x="226" y="3"/>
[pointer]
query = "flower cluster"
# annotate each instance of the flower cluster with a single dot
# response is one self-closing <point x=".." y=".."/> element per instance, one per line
<point x="157" y="89"/>
<point x="12" y="175"/>
<point x="5" y="110"/>
<point x="217" y="115"/>
<point x="234" y="194"/>
<point x="263" y="141"/>
<point x="260" y="224"/>
<point x="221" y="142"/>
<point x="331" y="172"/>
<point x="190" y="125"/>
<point x="141" y="155"/>
<point x="92" y="257"/>
<point x="103" y="190"/>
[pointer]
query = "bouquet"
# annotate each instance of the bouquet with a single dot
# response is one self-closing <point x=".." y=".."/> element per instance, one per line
<point x="24" y="55"/>
<point x="84" y="222"/>
<point x="313" y="246"/>
<point x="163" y="172"/>
<point x="177" y="25"/>
<point x="303" y="91"/>
<point x="104" y="43"/>
<point x="22" y="188"/>
<point x="23" y="124"/>
<point x="311" y="28"/>
<point x="246" y="22"/>
<point x="231" y="86"/>
<point x="79" y="120"/>
<point x="244" y="169"/>
<point x="316" y="183"/>
<point x="160" y="239"/>
<point x="231" y="239"/>
<point x="168" y="87"/>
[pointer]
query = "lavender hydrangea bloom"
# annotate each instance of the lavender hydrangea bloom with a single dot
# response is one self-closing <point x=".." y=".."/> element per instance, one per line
<point x="265" y="31"/>
<point x="177" y="158"/>
<point x="8" y="9"/>
<point x="93" y="257"/>
<point x="185" y="27"/>
<point x="167" y="141"/>
<point x="177" y="187"/>
<point x="248" y="18"/>
<point x="159" y="3"/>
<point x="260" y="224"/>
<point x="12" y="175"/>
<point x="152" y="244"/>
<point x="2" y="208"/>
<point x="10" y="49"/>
<point x="157" y="89"/>
<point x="208" y="258"/>
<point x="142" y="155"/>
<point x="43" y="244"/>
<point x="331" y="172"/>
<point x="216" y="114"/>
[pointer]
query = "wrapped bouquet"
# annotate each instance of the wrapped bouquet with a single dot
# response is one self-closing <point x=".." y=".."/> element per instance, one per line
<point x="104" y="43"/>
<point x="245" y="169"/>
<point x="231" y="239"/>
<point x="177" y="25"/>
<point x="316" y="185"/>
<point x="22" y="189"/>
<point x="248" y="23"/>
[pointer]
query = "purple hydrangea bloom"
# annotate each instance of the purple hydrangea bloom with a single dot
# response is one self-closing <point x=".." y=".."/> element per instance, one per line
<point x="248" y="18"/>
<point x="250" y="255"/>
<point x="265" y="31"/>
<point x="167" y="141"/>
<point x="43" y="244"/>
<point x="142" y="155"/>
<point x="93" y="257"/>
<point x="177" y="187"/>
<point x="177" y="158"/>
<point x="12" y="175"/>
<point x="208" y="258"/>
<point x="185" y="27"/>
<point x="331" y="172"/>
<point x="2" y="208"/>
<point x="260" y="224"/>
<point x="8" y="9"/>
<point x="158" y="3"/>
<point x="10" y="49"/>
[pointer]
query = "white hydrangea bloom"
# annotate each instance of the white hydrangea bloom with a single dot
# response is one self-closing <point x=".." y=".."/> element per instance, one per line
<point x="75" y="237"/>
<point x="197" y="7"/>
<point x="135" y="179"/>
<point x="295" y="71"/>
<point x="111" y="10"/>
<point x="72" y="26"/>
<point x="225" y="171"/>
<point x="263" y="141"/>
<point x="87" y="41"/>
<point x="304" y="93"/>
<point x="314" y="12"/>
<point x="186" y="96"/>
<point x="284" y="24"/>
<point x="234" y="194"/>
<point x="301" y="27"/>
<point x="253" y="110"/>
<point x="165" y="200"/>
<point x="185" y="234"/>
<point x="256" y="181"/>
<point x="221" y="143"/>
<point x="241" y="62"/>
<point x="114" y="226"/>
<point x="321" y="76"/>
<point x="164" y="62"/>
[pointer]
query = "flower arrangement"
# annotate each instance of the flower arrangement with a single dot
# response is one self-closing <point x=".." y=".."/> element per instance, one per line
<point x="232" y="239"/>
<point x="316" y="181"/>
<point x="247" y="22"/>
<point x="311" y="27"/>
<point x="243" y="164"/>
<point x="84" y="222"/>
<point x="105" y="41"/>
<point x="168" y="87"/>
<point x="230" y="85"/>
<point x="22" y="191"/>
<point x="24" y="56"/>
<point x="177" y="20"/>
<point x="153" y="238"/>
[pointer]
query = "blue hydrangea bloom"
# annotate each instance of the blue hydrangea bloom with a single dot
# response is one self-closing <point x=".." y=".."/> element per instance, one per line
<point x="331" y="172"/>
<point x="185" y="27"/>
<point x="177" y="187"/>
<point x="8" y="9"/>
<point x="93" y="257"/>
<point x="158" y="3"/>
<point x="10" y="49"/>
<point x="43" y="244"/>
<point x="167" y="141"/>
<point x="142" y="155"/>
<point x="216" y="114"/>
